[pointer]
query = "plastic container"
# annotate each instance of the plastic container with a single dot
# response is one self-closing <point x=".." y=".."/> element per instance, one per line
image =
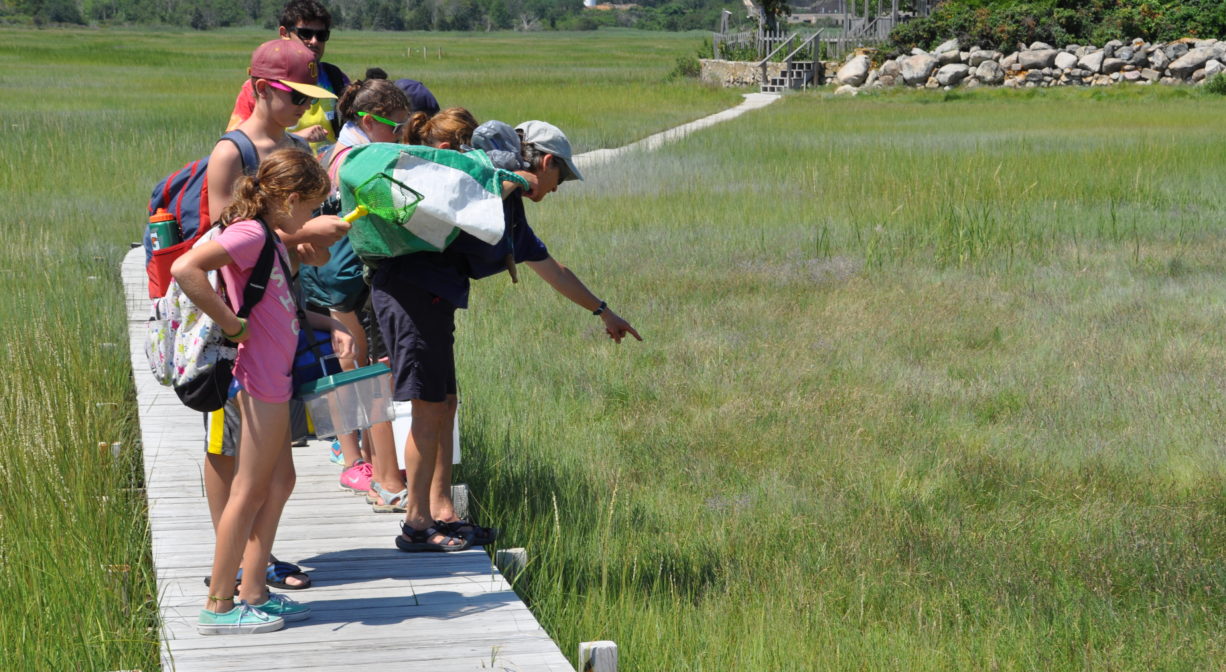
<point x="163" y="230"/>
<point x="349" y="401"/>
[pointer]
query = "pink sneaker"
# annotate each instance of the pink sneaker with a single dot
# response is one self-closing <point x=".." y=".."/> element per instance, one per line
<point x="357" y="477"/>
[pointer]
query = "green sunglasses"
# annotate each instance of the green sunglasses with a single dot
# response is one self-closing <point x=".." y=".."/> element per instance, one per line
<point x="396" y="128"/>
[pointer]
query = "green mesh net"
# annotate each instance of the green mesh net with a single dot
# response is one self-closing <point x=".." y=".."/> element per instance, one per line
<point x="387" y="198"/>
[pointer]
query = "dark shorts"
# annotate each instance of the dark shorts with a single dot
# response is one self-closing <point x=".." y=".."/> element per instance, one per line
<point x="375" y="349"/>
<point x="418" y="330"/>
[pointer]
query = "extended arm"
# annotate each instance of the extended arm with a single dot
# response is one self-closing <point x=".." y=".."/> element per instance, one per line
<point x="569" y="285"/>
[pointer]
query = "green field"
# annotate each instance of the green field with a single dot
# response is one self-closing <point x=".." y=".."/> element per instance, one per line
<point x="931" y="381"/>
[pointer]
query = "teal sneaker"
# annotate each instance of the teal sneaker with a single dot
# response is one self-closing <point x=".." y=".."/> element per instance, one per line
<point x="283" y="608"/>
<point x="241" y="620"/>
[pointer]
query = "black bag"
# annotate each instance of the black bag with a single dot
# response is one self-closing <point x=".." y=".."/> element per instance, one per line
<point x="208" y="392"/>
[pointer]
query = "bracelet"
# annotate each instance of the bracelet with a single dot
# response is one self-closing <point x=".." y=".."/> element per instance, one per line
<point x="603" y="307"/>
<point x="241" y="330"/>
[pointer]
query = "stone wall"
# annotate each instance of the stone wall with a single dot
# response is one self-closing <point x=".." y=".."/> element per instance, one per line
<point x="736" y="73"/>
<point x="1186" y="61"/>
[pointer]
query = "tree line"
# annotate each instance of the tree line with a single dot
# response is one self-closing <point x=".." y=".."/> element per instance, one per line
<point x="462" y="15"/>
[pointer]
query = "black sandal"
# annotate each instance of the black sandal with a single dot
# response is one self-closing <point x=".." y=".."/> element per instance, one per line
<point x="475" y="535"/>
<point x="418" y="541"/>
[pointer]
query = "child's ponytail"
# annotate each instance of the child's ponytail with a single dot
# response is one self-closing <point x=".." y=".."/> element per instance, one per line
<point x="284" y="172"/>
<point x="454" y="125"/>
<point x="376" y="96"/>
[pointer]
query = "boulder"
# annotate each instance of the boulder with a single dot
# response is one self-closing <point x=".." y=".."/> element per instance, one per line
<point x="1158" y="59"/>
<point x="1034" y="76"/>
<point x="952" y="74"/>
<point x="855" y="72"/>
<point x="964" y="56"/>
<point x="1132" y="76"/>
<point x="846" y="90"/>
<point x="1065" y="60"/>
<point x="887" y="80"/>
<point x="1008" y="62"/>
<point x="873" y="78"/>
<point x="1140" y="58"/>
<point x="1198" y="76"/>
<point x="971" y="83"/>
<point x="1110" y="47"/>
<point x="1151" y="75"/>
<point x="1123" y="53"/>
<point x="1170" y="81"/>
<point x="1174" y="50"/>
<point x="1036" y="58"/>
<point x="1112" y="65"/>
<point x="947" y="46"/>
<point x="947" y="57"/>
<point x="1191" y="62"/>
<point x="916" y="69"/>
<point x="1010" y="84"/>
<point x="990" y="72"/>
<point x="1092" y="62"/>
<point x="1204" y="44"/>
<point x="918" y="52"/>
<point x="1036" y="46"/>
<point x="891" y="69"/>
<point x="980" y="56"/>
<point x="1213" y="67"/>
<point x="1101" y="80"/>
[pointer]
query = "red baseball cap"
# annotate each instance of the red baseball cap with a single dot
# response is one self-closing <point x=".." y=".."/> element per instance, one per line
<point x="290" y="63"/>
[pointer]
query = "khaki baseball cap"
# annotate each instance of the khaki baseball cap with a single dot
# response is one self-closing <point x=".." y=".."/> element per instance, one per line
<point x="290" y="63"/>
<point x="551" y="140"/>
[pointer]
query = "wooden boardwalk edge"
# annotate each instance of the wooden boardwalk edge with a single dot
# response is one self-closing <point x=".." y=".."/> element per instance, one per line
<point x="372" y="606"/>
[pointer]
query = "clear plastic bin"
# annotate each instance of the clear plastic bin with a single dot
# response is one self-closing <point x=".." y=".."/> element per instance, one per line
<point x="349" y="401"/>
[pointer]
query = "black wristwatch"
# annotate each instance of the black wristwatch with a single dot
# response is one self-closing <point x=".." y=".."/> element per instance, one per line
<point x="603" y="307"/>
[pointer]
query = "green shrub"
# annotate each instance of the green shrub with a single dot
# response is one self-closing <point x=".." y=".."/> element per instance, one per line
<point x="687" y="67"/>
<point x="1216" y="84"/>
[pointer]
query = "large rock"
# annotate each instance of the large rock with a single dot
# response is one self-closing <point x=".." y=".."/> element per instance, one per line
<point x="1092" y="62"/>
<point x="1112" y="65"/>
<point x="1132" y="76"/>
<point x="1158" y="60"/>
<point x="1065" y="60"/>
<point x="952" y="74"/>
<point x="1037" y="46"/>
<point x="916" y="69"/>
<point x="1151" y="75"/>
<point x="947" y="57"/>
<point x="947" y="46"/>
<point x="891" y="68"/>
<point x="1033" y="59"/>
<point x="846" y="90"/>
<point x="990" y="72"/>
<point x="855" y="71"/>
<point x="1175" y="49"/>
<point x="1213" y="67"/>
<point x="1009" y="62"/>
<point x="979" y="56"/>
<point x="1191" y="61"/>
<point x="1110" y="47"/>
<point x="1124" y="53"/>
<point x="1204" y="44"/>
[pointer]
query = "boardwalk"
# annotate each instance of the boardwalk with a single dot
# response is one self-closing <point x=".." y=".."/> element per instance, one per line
<point x="373" y="607"/>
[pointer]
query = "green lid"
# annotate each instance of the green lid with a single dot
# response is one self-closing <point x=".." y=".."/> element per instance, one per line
<point x="328" y="383"/>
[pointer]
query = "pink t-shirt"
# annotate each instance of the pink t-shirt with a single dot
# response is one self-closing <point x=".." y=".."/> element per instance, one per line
<point x="266" y="359"/>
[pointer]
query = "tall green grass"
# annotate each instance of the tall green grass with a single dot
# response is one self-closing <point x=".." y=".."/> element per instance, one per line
<point x="93" y="118"/>
<point x="931" y="382"/>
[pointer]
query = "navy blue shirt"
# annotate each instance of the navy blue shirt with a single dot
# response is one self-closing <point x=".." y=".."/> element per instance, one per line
<point x="447" y="274"/>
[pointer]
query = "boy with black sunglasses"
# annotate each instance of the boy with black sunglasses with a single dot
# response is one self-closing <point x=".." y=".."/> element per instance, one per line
<point x="310" y="23"/>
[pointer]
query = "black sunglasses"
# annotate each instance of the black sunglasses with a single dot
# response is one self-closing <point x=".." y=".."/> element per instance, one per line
<point x="307" y="33"/>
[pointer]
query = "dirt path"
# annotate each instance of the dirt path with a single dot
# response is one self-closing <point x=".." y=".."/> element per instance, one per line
<point x="753" y="101"/>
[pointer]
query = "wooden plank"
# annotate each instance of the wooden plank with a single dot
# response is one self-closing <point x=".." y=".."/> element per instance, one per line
<point x="372" y="605"/>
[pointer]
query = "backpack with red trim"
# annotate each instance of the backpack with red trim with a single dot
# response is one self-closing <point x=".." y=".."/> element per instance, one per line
<point x="185" y="195"/>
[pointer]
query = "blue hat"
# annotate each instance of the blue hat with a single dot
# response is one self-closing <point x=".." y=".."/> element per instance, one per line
<point x="420" y="98"/>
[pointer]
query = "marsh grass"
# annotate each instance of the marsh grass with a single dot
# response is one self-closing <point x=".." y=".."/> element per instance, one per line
<point x="930" y="383"/>
<point x="932" y="380"/>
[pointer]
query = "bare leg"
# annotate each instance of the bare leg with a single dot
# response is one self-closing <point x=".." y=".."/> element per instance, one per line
<point x="420" y="453"/>
<point x="218" y="475"/>
<point x="264" y="529"/>
<point x="349" y="442"/>
<point x="441" y="506"/>
<point x="383" y="457"/>
<point x="264" y="438"/>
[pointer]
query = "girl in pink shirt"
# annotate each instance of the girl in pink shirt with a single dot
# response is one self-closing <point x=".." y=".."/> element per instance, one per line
<point x="279" y="199"/>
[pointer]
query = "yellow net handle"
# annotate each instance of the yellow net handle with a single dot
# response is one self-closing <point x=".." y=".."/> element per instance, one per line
<point x="358" y="212"/>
